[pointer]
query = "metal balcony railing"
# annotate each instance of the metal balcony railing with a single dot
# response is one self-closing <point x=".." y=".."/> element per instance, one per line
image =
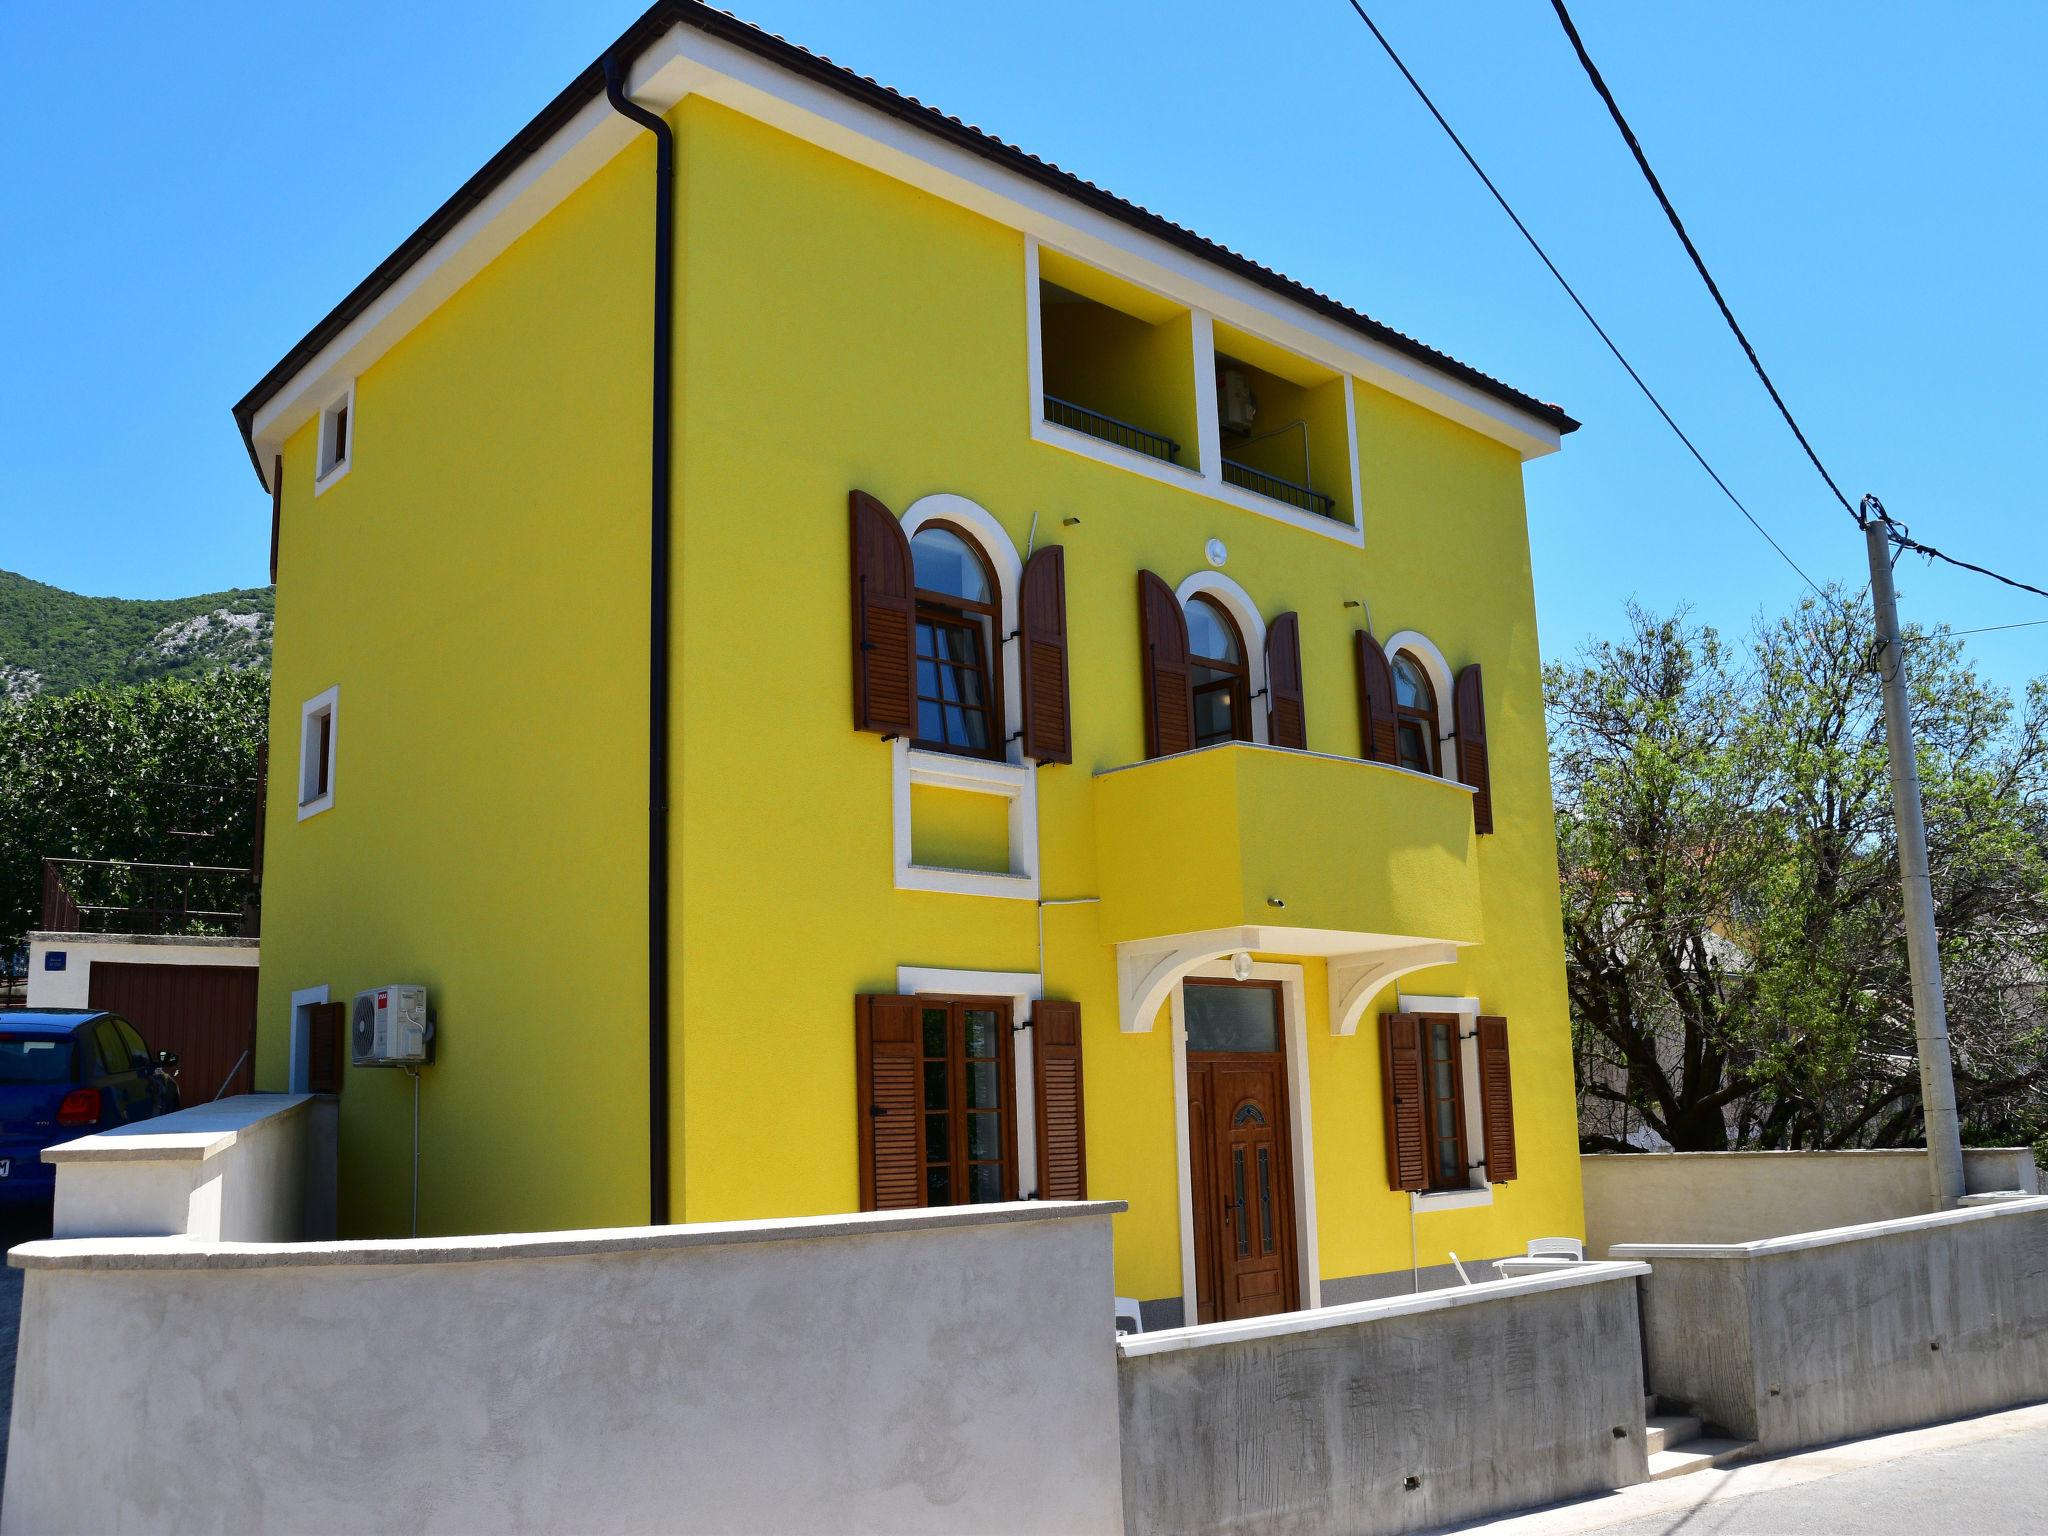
<point x="1078" y="418"/>
<point x="120" y="896"/>
<point x="1259" y="483"/>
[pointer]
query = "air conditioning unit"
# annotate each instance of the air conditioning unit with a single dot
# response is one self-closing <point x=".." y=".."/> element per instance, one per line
<point x="1234" y="398"/>
<point x="391" y="1028"/>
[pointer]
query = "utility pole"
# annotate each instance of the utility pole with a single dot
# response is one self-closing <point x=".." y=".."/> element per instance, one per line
<point x="1923" y="953"/>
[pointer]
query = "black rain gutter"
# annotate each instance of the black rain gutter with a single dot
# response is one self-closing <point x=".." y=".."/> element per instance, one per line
<point x="590" y="84"/>
<point x="658" y="617"/>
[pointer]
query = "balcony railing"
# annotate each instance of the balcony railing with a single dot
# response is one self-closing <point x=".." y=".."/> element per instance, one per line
<point x="1078" y="418"/>
<point x="1259" y="483"/>
<point x="119" y="896"/>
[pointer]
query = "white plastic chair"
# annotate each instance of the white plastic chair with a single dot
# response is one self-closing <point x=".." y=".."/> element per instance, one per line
<point x="1557" y="1248"/>
<point x="1130" y="1318"/>
<point x="1460" y="1268"/>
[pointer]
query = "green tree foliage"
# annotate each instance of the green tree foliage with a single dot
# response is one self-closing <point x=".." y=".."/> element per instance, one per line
<point x="1732" y="910"/>
<point x="161" y="772"/>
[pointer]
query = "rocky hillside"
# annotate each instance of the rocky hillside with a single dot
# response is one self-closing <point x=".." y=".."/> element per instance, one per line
<point x="52" y="641"/>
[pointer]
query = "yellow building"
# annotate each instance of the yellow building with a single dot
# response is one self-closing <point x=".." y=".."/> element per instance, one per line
<point x="1074" y="769"/>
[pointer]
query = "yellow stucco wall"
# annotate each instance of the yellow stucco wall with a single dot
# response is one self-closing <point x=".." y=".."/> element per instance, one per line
<point x="488" y="830"/>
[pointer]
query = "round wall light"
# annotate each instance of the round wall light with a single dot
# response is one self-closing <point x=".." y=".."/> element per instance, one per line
<point x="1216" y="551"/>
<point x="1241" y="965"/>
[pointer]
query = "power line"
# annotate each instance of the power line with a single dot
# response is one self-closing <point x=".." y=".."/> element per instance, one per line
<point x="1989" y="628"/>
<point x="1572" y="294"/>
<point x="1893" y="529"/>
<point x="1628" y="135"/>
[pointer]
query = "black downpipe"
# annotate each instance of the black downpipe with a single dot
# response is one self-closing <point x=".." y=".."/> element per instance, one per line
<point x="658" y="634"/>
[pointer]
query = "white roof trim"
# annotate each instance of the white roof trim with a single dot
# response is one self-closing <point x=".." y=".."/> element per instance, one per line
<point x="685" y="61"/>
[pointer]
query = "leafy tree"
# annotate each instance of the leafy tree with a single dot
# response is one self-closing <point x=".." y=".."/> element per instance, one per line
<point x="161" y="772"/>
<point x="1733" y="919"/>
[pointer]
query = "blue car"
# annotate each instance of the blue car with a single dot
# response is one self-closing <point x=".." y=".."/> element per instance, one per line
<point x="65" y="1073"/>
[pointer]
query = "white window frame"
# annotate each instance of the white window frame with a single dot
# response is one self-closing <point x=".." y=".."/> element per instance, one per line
<point x="329" y="704"/>
<point x="329" y="467"/>
<point x="1208" y="479"/>
<point x="299" y="1064"/>
<point x="1021" y="989"/>
<point x="1424" y="650"/>
<point x="1013" y="780"/>
<point x="1480" y="1192"/>
<point x="1251" y="627"/>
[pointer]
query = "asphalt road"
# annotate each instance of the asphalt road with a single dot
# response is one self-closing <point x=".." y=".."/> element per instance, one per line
<point x="15" y="1227"/>
<point x="1975" y="1477"/>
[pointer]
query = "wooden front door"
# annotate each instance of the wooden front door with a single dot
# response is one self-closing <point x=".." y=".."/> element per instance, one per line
<point x="205" y="1013"/>
<point x="1240" y="1151"/>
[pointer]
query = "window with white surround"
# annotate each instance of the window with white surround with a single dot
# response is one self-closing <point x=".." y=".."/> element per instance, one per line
<point x="337" y="440"/>
<point x="1136" y="378"/>
<point x="1462" y="1097"/>
<point x="316" y="752"/>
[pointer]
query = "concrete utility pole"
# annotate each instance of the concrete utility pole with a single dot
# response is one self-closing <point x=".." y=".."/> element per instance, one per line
<point x="1923" y="954"/>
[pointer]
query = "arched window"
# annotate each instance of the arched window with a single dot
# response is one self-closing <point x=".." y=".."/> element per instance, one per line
<point x="1218" y="670"/>
<point x="1415" y="714"/>
<point x="959" y="702"/>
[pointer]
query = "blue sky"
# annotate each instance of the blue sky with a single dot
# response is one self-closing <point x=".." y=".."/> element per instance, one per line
<point x="190" y="188"/>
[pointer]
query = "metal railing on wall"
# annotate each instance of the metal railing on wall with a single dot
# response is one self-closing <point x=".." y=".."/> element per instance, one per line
<point x="122" y="896"/>
<point x="1078" y="418"/>
<point x="1259" y="483"/>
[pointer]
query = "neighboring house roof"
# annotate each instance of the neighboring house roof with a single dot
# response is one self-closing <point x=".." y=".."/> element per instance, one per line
<point x="656" y="21"/>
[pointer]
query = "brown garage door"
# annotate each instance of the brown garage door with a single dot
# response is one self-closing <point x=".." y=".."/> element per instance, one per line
<point x="206" y="1013"/>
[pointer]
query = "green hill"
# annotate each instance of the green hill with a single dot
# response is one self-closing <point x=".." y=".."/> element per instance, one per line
<point x="52" y="641"/>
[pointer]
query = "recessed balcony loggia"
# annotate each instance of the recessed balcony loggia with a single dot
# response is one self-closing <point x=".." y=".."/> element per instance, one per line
<point x="1245" y="847"/>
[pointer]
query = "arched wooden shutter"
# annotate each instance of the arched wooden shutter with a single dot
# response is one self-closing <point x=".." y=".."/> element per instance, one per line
<point x="1496" y="1099"/>
<point x="1285" y="725"/>
<point x="1062" y="1138"/>
<point x="1169" y="687"/>
<point x="1469" y="720"/>
<point x="884" y="621"/>
<point x="1042" y="661"/>
<point x="1401" y="1085"/>
<point x="1377" y="738"/>
<point x="888" y="1080"/>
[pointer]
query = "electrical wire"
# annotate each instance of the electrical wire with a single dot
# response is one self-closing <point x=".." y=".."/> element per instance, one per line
<point x="1628" y="135"/>
<point x="1571" y="293"/>
<point x="1990" y="628"/>
<point x="1892" y="529"/>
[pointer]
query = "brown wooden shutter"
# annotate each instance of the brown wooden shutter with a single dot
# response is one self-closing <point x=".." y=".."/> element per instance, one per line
<point x="1285" y="724"/>
<point x="884" y="621"/>
<point x="1169" y="685"/>
<point x="326" y="1042"/>
<point x="276" y="511"/>
<point x="1401" y="1083"/>
<point x="1469" y="720"/>
<point x="1496" y="1099"/>
<point x="1062" y="1138"/>
<point x="889" y="1102"/>
<point x="1042" y="636"/>
<point x="1377" y="739"/>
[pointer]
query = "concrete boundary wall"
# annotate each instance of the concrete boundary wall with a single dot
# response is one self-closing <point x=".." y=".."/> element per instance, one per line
<point x="1738" y="1197"/>
<point x="1802" y="1340"/>
<point x="1387" y="1416"/>
<point x="928" y="1371"/>
<point x="243" y="1169"/>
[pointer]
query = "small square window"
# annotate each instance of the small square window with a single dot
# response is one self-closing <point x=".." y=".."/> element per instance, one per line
<point x="337" y="438"/>
<point x="316" y="753"/>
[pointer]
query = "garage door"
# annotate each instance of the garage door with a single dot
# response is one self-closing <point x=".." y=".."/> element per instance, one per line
<point x="206" y="1013"/>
